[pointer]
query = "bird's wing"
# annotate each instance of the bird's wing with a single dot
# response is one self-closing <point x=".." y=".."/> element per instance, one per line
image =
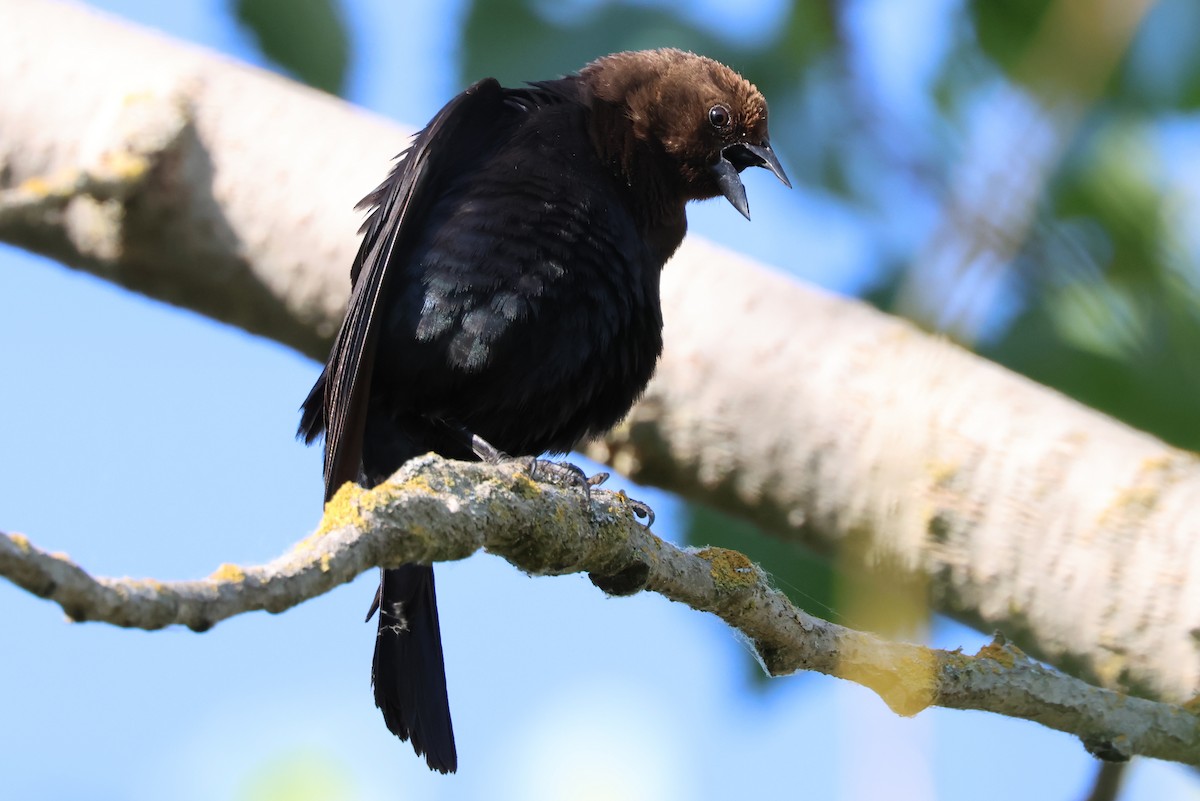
<point x="339" y="399"/>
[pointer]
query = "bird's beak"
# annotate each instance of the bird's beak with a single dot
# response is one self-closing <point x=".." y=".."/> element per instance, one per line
<point x="737" y="157"/>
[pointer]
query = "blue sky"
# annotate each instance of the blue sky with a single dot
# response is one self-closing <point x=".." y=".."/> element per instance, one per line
<point x="147" y="441"/>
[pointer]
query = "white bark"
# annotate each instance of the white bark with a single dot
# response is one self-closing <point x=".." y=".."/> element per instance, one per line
<point x="215" y="186"/>
<point x="247" y="217"/>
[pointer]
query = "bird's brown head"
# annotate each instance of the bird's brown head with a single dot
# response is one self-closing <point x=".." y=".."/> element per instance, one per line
<point x="708" y="121"/>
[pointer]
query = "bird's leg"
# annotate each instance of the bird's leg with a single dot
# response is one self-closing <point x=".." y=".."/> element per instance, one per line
<point x="486" y="451"/>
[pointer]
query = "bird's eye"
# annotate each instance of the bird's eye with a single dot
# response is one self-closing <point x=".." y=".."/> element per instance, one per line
<point x="718" y="116"/>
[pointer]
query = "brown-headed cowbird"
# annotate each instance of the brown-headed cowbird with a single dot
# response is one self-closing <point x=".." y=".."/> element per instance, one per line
<point x="506" y="288"/>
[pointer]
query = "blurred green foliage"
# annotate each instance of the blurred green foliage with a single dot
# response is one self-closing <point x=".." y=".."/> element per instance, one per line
<point x="308" y="38"/>
<point x="1160" y="73"/>
<point x="309" y="775"/>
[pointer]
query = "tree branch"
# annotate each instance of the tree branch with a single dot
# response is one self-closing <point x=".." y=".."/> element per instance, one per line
<point x="437" y="510"/>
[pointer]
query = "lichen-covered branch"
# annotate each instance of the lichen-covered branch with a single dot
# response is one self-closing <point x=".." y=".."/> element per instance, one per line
<point x="437" y="510"/>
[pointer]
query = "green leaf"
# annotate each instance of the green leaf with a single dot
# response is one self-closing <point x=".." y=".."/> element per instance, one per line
<point x="1005" y="29"/>
<point x="308" y="38"/>
<point x="514" y="41"/>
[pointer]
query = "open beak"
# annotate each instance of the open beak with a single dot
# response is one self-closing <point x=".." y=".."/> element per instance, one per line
<point x="737" y="157"/>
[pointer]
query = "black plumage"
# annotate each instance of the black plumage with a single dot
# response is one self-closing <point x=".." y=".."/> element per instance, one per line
<point x="507" y="288"/>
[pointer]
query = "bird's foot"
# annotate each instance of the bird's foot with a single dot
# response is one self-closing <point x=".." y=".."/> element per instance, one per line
<point x="564" y="474"/>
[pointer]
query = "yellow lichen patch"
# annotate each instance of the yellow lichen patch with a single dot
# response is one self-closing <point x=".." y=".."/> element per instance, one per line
<point x="124" y="165"/>
<point x="419" y="531"/>
<point x="524" y="485"/>
<point x="228" y="572"/>
<point x="1141" y="498"/>
<point x="1153" y="464"/>
<point x="418" y="483"/>
<point x="1165" y="468"/>
<point x="137" y="97"/>
<point x="957" y="660"/>
<point x="1137" y="500"/>
<point x="325" y="560"/>
<point x="998" y="651"/>
<point x="652" y="539"/>
<point x="22" y="542"/>
<point x="36" y="186"/>
<point x="153" y="585"/>
<point x="907" y="682"/>
<point x="348" y="505"/>
<point x="730" y="570"/>
<point x="342" y="510"/>
<point x="942" y="472"/>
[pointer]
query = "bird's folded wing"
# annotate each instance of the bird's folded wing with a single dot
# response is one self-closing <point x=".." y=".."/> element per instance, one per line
<point x="398" y="206"/>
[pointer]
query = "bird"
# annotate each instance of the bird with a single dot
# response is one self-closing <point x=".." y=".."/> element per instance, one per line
<point x="505" y="297"/>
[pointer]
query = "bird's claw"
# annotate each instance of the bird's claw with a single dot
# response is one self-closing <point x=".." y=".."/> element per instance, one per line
<point x="641" y="510"/>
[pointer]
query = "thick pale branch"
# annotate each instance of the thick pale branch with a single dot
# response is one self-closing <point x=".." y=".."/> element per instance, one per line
<point x="837" y="426"/>
<point x="222" y="205"/>
<point x="543" y="529"/>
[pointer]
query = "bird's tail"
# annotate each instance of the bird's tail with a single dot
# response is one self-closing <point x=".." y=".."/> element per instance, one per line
<point x="408" y="673"/>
